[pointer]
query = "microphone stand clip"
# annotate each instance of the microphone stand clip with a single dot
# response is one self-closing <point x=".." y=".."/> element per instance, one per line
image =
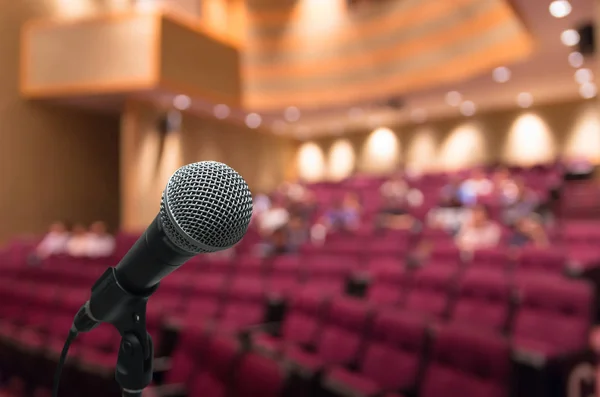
<point x="127" y="313"/>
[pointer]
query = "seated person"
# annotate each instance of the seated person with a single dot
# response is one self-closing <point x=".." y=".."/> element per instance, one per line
<point x="450" y="194"/>
<point x="345" y="214"/>
<point x="478" y="185"/>
<point x="298" y="232"/>
<point x="396" y="188"/>
<point x="505" y="187"/>
<point x="529" y="230"/>
<point x="277" y="243"/>
<point x="479" y="231"/>
<point x="55" y="242"/>
<point x="525" y="202"/>
<point x="100" y="243"/>
<point x="78" y="243"/>
<point x="395" y="215"/>
<point x="273" y="218"/>
<point x="447" y="218"/>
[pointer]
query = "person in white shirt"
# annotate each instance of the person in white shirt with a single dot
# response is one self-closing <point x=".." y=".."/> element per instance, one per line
<point x="476" y="186"/>
<point x="55" y="242"/>
<point x="479" y="231"/>
<point x="100" y="244"/>
<point x="77" y="246"/>
<point x="273" y="218"/>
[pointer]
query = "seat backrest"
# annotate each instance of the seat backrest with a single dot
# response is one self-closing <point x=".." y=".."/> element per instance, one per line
<point x="545" y="260"/>
<point x="210" y="286"/>
<point x="304" y="318"/>
<point x="246" y="290"/>
<point x="429" y="290"/>
<point x="393" y="355"/>
<point x="258" y="376"/>
<point x="483" y="300"/>
<point x="493" y="258"/>
<point x="342" y="334"/>
<point x="248" y="265"/>
<point x="218" y="355"/>
<point x="563" y="306"/>
<point x="388" y="281"/>
<point x="328" y="266"/>
<point x="476" y="364"/>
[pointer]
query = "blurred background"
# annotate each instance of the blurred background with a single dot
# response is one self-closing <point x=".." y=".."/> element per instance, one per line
<point x="416" y="165"/>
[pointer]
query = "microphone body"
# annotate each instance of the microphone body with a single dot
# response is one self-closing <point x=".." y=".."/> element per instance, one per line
<point x="206" y="207"/>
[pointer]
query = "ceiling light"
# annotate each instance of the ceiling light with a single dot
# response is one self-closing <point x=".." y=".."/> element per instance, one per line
<point x="418" y="115"/>
<point x="501" y="74"/>
<point x="221" y="111"/>
<point x="588" y="90"/>
<point x="576" y="59"/>
<point x="467" y="108"/>
<point x="292" y="114"/>
<point x="355" y="113"/>
<point x="453" y="98"/>
<point x="583" y="75"/>
<point x="182" y="102"/>
<point x="560" y="8"/>
<point x="569" y="37"/>
<point x="253" y="120"/>
<point x="525" y="99"/>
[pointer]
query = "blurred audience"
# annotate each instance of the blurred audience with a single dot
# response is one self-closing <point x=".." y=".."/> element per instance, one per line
<point x="450" y="194"/>
<point x="479" y="231"/>
<point x="55" y="241"/>
<point x="504" y="186"/>
<point x="524" y="202"/>
<point x="345" y="215"/>
<point x="529" y="230"/>
<point x="274" y="218"/>
<point x="478" y="185"/>
<point x="77" y="246"/>
<point x="100" y="243"/>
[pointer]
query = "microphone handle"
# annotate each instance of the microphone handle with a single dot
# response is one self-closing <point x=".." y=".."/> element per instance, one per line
<point x="151" y="258"/>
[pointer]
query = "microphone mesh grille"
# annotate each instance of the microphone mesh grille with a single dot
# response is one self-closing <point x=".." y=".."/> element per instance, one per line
<point x="210" y="207"/>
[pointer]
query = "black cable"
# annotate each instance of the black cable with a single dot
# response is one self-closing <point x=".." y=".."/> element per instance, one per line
<point x="61" y="361"/>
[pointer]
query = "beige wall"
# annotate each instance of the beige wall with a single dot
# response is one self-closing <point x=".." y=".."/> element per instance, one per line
<point x="54" y="163"/>
<point x="523" y="136"/>
<point x="147" y="163"/>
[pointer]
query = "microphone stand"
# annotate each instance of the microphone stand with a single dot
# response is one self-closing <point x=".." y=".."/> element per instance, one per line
<point x="134" y="369"/>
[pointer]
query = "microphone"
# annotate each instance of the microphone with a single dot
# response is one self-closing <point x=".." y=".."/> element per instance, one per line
<point x="205" y="207"/>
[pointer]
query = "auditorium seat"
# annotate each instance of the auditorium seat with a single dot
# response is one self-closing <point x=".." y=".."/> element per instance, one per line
<point x="493" y="259"/>
<point x="284" y="275"/>
<point x="244" y="305"/>
<point x="388" y="281"/>
<point x="445" y="254"/>
<point x="249" y="266"/>
<point x="339" y="341"/>
<point x="473" y="363"/>
<point x="301" y="324"/>
<point x="328" y="273"/>
<point x="190" y="348"/>
<point x="536" y="262"/>
<point x="214" y="371"/>
<point x="563" y="306"/>
<point x="483" y="300"/>
<point x="205" y="299"/>
<point x="429" y="291"/>
<point x="391" y="360"/>
<point x="257" y="376"/>
<point x="388" y="243"/>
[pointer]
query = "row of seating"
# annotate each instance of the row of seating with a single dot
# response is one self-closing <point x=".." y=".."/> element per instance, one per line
<point x="355" y="350"/>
